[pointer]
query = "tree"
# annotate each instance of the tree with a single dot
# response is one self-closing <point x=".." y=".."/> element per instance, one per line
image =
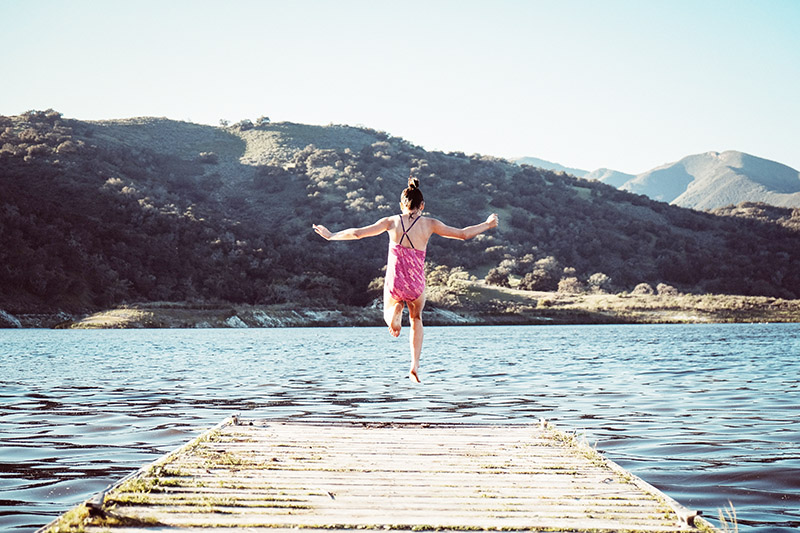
<point x="438" y="275"/>
<point x="536" y="281"/>
<point x="209" y="158"/>
<point x="244" y="125"/>
<point x="570" y="286"/>
<point x="544" y="276"/>
<point x="598" y="282"/>
<point x="643" y="289"/>
<point x="457" y="277"/>
<point x="666" y="290"/>
<point x="499" y="277"/>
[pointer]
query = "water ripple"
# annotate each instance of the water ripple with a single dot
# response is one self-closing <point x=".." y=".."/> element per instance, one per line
<point x="706" y="413"/>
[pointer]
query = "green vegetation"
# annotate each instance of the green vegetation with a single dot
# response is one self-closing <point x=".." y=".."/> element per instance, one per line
<point x="99" y="215"/>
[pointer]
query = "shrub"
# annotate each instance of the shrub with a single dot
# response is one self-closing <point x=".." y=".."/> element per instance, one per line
<point x="457" y="277"/>
<point x="666" y="290"/>
<point x="549" y="265"/>
<point x="643" y="289"/>
<point x="570" y="286"/>
<point x="38" y="149"/>
<point x="537" y="280"/>
<point x="442" y="296"/>
<point x="376" y="286"/>
<point x="67" y="147"/>
<point x="498" y="276"/>
<point x="208" y="158"/>
<point x="244" y="125"/>
<point x="544" y="276"/>
<point x="599" y="282"/>
<point x="438" y="275"/>
<point x="7" y="150"/>
<point x="322" y="158"/>
<point x="30" y="135"/>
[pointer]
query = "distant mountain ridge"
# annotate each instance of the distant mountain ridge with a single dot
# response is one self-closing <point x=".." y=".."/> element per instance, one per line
<point x="713" y="179"/>
<point x="549" y="165"/>
<point x="611" y="177"/>
<point x="705" y="181"/>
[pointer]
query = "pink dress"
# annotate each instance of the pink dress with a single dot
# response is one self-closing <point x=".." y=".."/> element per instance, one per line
<point x="405" y="270"/>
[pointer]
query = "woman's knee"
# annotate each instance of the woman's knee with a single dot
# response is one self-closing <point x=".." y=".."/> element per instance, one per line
<point x="391" y="305"/>
<point x="415" y="308"/>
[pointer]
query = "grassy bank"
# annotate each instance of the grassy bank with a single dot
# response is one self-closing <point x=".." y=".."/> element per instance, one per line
<point x="627" y="307"/>
<point x="470" y="304"/>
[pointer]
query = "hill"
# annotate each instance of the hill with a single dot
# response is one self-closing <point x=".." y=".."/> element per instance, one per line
<point x="609" y="177"/>
<point x="713" y="179"/>
<point x="96" y="214"/>
<point x="549" y="165"/>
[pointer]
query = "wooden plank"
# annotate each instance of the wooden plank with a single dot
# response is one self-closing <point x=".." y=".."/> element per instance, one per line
<point x="280" y="475"/>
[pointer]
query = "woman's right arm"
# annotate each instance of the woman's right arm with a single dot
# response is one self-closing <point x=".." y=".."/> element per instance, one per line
<point x="350" y="234"/>
<point x="463" y="234"/>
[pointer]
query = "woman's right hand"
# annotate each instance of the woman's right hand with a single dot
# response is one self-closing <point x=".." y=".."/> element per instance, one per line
<point x="492" y="221"/>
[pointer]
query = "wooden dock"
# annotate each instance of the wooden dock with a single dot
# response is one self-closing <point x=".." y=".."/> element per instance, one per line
<point x="248" y="475"/>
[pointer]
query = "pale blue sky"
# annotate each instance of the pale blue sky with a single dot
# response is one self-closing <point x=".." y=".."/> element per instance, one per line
<point x="626" y="84"/>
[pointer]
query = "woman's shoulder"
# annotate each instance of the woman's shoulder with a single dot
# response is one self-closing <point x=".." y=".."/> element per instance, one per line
<point x="430" y="221"/>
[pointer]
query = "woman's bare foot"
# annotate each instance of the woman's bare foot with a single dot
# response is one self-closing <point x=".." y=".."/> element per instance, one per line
<point x="395" y="323"/>
<point x="413" y="376"/>
<point x="394" y="327"/>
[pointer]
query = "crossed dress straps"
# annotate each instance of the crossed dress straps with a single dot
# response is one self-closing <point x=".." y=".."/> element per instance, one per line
<point x="405" y="231"/>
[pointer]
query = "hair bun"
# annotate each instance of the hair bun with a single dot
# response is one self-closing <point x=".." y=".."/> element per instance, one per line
<point x="413" y="183"/>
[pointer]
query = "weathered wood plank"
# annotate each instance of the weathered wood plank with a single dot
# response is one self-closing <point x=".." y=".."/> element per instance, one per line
<point x="279" y="476"/>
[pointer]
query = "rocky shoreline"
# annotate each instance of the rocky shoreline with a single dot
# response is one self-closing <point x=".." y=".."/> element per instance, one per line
<point x="173" y="316"/>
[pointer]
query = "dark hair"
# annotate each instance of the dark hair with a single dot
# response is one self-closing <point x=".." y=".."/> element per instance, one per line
<point x="412" y="196"/>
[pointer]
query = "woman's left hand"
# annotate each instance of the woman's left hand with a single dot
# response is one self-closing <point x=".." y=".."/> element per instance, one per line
<point x="322" y="231"/>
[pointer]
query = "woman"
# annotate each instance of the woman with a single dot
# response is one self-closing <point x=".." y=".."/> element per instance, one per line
<point x="405" y="269"/>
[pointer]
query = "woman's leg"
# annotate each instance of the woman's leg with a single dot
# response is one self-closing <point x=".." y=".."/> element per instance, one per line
<point x="392" y="314"/>
<point x="415" y="317"/>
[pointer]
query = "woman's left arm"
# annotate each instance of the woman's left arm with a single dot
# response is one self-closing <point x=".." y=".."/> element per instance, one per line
<point x="463" y="234"/>
<point x="350" y="234"/>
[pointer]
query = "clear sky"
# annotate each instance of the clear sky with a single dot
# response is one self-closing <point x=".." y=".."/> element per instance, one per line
<point x="623" y="84"/>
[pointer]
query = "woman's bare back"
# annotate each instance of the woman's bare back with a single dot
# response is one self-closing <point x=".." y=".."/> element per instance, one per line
<point x="417" y="230"/>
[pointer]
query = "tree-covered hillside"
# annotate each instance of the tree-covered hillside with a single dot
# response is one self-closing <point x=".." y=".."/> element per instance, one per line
<point x="96" y="214"/>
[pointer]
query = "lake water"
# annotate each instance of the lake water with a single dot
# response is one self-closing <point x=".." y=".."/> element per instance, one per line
<point x="707" y="413"/>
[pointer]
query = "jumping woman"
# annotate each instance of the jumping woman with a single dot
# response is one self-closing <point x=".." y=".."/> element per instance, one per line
<point x="404" y="283"/>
